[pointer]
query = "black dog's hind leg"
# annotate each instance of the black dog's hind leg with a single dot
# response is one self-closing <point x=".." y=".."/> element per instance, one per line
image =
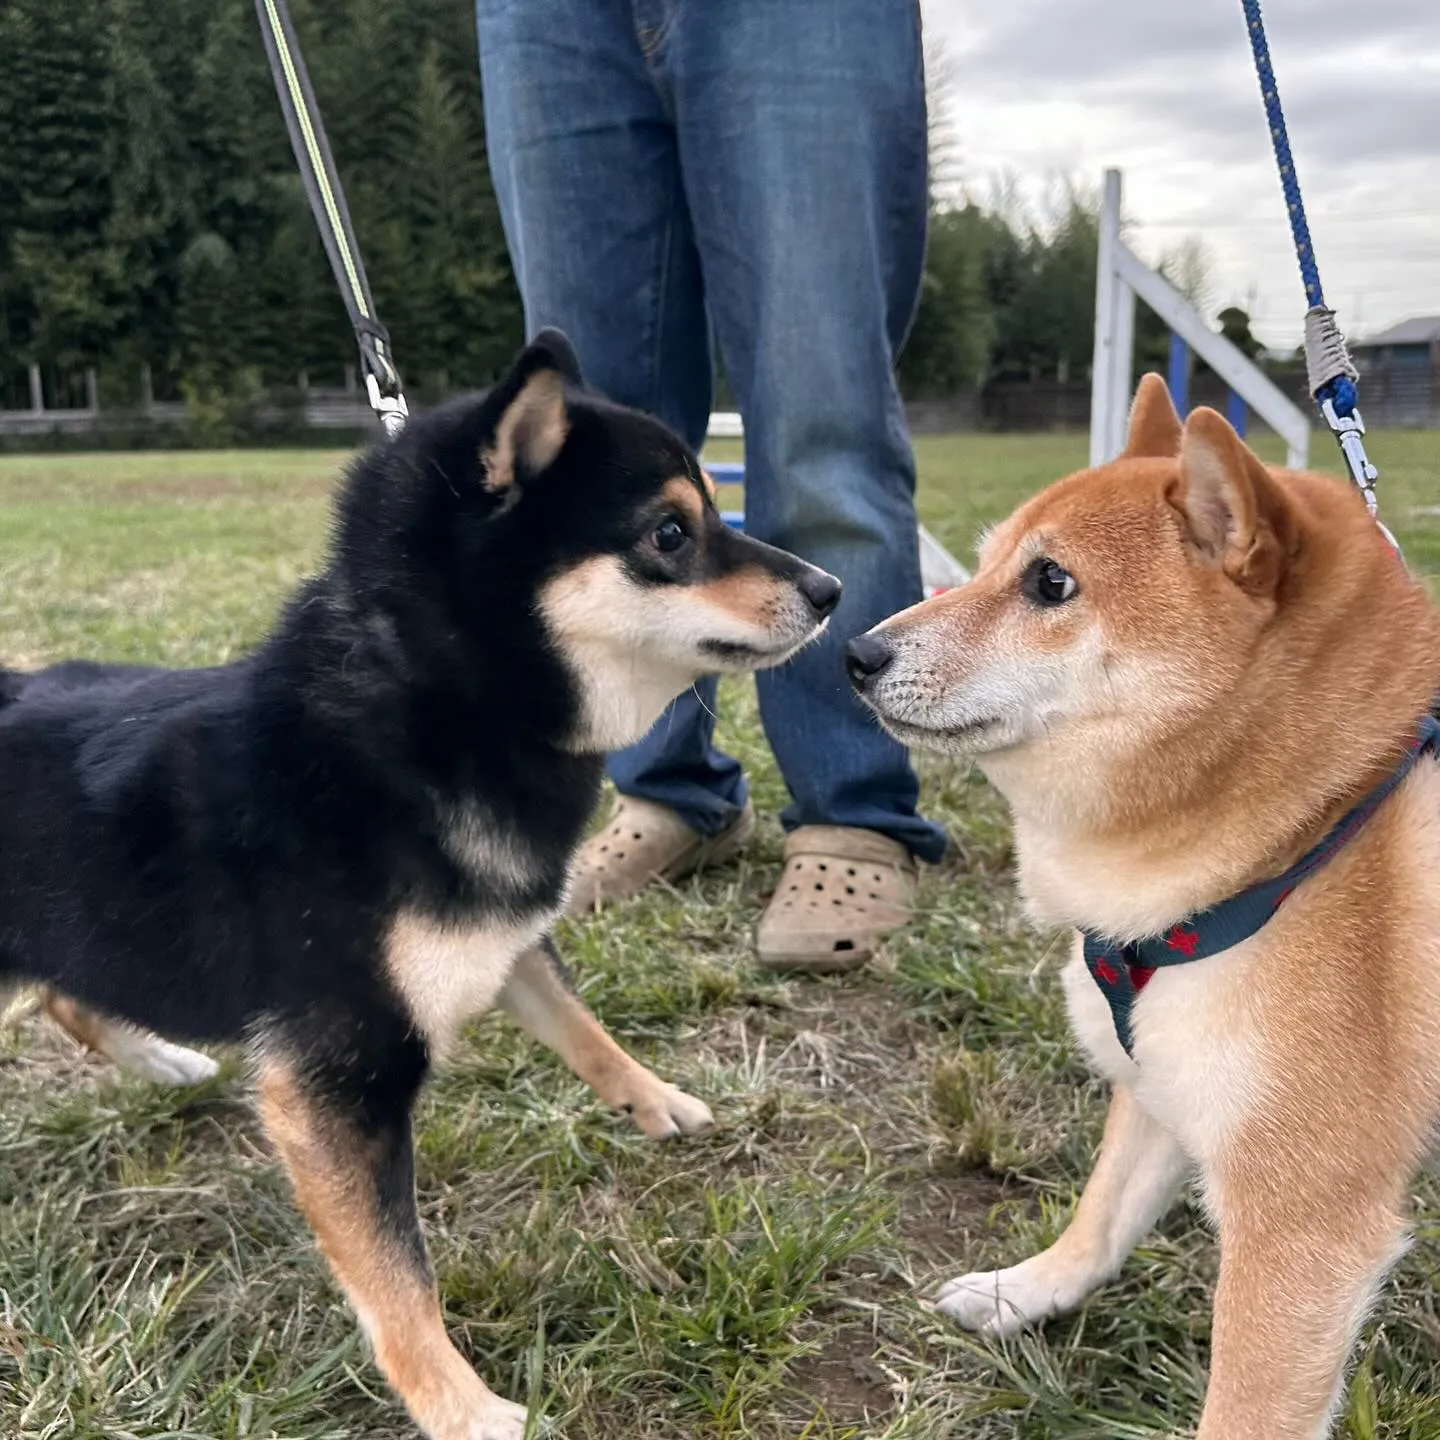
<point x="541" y="996"/>
<point x="343" y="1131"/>
<point x="131" y="1048"/>
<point x="135" y="1050"/>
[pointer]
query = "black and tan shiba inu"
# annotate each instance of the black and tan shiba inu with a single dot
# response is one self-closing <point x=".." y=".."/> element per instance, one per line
<point x="348" y="844"/>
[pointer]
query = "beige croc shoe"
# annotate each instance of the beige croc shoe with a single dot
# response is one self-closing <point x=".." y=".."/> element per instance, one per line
<point x="843" y="890"/>
<point x="645" y="842"/>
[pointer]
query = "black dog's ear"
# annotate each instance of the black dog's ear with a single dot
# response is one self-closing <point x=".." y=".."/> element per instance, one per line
<point x="533" y="424"/>
<point x="553" y="347"/>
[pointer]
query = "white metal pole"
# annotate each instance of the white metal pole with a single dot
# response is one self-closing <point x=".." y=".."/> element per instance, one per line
<point x="1107" y="284"/>
<point x="1122" y="356"/>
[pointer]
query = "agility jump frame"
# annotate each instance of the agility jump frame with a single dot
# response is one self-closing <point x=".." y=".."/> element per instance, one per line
<point x="1121" y="276"/>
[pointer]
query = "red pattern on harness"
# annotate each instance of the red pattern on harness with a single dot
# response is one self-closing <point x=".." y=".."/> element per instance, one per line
<point x="1183" y="940"/>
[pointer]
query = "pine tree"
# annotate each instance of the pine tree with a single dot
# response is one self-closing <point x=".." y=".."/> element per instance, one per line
<point x="61" y="281"/>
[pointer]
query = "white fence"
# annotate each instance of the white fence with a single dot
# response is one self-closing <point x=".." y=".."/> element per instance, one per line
<point x="1121" y="276"/>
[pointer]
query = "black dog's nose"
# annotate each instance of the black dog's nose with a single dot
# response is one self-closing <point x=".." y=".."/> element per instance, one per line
<point x="865" y="657"/>
<point x="821" y="589"/>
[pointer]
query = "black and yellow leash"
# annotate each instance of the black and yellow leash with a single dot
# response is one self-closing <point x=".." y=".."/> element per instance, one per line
<point x="327" y="202"/>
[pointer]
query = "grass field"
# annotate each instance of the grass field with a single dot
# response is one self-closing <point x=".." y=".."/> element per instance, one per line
<point x="878" y="1133"/>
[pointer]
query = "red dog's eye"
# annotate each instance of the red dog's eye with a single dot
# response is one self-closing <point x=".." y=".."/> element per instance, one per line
<point x="1047" y="583"/>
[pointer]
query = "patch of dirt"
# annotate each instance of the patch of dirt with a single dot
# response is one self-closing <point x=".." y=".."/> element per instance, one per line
<point x="843" y="1378"/>
<point x="947" y="1218"/>
<point x="942" y="1211"/>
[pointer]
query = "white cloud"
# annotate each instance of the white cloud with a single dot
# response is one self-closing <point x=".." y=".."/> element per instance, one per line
<point x="1167" y="92"/>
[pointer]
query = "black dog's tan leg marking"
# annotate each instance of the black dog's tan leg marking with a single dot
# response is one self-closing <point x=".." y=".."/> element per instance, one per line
<point x="539" y="995"/>
<point x="352" y="1169"/>
<point x="131" y="1048"/>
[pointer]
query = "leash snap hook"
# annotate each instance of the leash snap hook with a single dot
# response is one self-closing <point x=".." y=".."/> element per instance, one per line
<point x="392" y="409"/>
<point x="1349" y="430"/>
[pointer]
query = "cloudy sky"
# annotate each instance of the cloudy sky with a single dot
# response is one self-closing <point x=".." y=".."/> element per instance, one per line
<point x="1166" y="91"/>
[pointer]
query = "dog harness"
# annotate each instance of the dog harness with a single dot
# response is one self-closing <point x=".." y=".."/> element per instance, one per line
<point x="1123" y="971"/>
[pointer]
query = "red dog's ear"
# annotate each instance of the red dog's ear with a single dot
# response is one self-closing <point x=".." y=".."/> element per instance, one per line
<point x="1154" y="425"/>
<point x="1236" y="516"/>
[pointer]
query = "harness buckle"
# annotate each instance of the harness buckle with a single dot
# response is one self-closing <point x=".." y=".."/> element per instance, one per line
<point x="392" y="409"/>
<point x="1349" y="430"/>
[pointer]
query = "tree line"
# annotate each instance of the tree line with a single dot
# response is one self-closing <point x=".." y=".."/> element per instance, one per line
<point x="151" y="212"/>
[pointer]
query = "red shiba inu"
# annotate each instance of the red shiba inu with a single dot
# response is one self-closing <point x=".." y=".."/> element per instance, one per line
<point x="1204" y="687"/>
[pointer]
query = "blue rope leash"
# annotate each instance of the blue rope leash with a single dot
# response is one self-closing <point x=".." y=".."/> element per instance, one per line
<point x="1334" y="386"/>
<point x="1270" y="93"/>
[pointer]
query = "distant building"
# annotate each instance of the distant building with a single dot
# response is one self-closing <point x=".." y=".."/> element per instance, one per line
<point x="1411" y="342"/>
<point x="1401" y="370"/>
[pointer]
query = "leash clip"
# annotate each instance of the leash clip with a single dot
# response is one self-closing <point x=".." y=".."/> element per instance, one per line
<point x="1349" y="430"/>
<point x="392" y="409"/>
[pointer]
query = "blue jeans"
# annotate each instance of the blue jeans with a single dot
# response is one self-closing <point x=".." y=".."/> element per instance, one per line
<point x="755" y="171"/>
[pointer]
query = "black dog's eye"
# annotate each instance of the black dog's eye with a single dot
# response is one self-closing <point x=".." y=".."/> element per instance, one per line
<point x="669" y="536"/>
<point x="1047" y="583"/>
